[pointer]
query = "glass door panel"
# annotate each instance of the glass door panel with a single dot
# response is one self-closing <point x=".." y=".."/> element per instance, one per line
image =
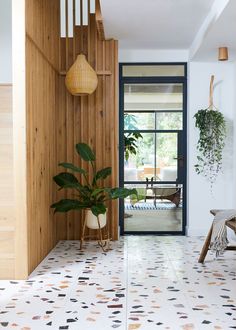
<point x="140" y="165"/>
<point x="156" y="209"/>
<point x="153" y="115"/>
<point x="139" y="120"/>
<point x="156" y="97"/>
<point x="166" y="156"/>
<point x="169" y="120"/>
<point x="150" y="120"/>
<point x="153" y="70"/>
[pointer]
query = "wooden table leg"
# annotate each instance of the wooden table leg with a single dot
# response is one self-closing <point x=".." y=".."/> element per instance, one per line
<point x="205" y="247"/>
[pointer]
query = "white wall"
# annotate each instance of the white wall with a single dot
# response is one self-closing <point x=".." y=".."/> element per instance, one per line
<point x="234" y="182"/>
<point x="200" y="199"/>
<point x="153" y="55"/>
<point x="5" y="42"/>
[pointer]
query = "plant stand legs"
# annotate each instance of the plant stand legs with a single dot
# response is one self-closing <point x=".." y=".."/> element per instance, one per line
<point x="103" y="242"/>
<point x="100" y="237"/>
<point x="82" y="235"/>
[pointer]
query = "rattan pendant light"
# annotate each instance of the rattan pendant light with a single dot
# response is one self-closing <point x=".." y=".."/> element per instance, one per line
<point x="81" y="79"/>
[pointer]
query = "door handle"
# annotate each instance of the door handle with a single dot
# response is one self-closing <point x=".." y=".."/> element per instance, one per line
<point x="179" y="158"/>
<point x="180" y="161"/>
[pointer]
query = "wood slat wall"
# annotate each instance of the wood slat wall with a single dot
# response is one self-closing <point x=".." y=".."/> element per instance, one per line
<point x="42" y="97"/>
<point x="91" y="119"/>
<point x="7" y="219"/>
<point x="48" y="122"/>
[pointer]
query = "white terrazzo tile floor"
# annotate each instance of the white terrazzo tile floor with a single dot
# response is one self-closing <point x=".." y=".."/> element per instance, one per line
<point x="144" y="282"/>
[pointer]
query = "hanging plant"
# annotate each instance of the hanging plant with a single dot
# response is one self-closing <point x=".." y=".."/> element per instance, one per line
<point x="212" y="133"/>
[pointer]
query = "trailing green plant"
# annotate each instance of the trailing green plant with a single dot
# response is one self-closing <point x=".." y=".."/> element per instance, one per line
<point x="130" y="144"/>
<point x="91" y="194"/>
<point x="211" y="142"/>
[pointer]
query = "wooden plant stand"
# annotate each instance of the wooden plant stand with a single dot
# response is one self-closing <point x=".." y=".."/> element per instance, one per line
<point x="102" y="238"/>
<point x="231" y="224"/>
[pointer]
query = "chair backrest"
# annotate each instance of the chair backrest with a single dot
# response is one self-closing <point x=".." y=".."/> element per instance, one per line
<point x="148" y="172"/>
<point x="130" y="174"/>
<point x="168" y="173"/>
<point x="149" y="182"/>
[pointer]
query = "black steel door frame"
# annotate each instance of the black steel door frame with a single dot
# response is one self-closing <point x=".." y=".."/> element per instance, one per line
<point x="140" y="80"/>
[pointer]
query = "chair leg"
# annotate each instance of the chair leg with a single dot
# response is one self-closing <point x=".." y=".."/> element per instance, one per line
<point x="205" y="246"/>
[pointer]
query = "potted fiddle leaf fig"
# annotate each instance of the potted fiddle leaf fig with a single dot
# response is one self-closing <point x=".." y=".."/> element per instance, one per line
<point x="91" y="194"/>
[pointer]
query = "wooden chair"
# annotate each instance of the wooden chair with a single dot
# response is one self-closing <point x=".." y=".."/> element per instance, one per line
<point x="231" y="224"/>
<point x="158" y="192"/>
<point x="148" y="172"/>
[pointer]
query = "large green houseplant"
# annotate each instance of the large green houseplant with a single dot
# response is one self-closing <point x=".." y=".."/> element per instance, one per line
<point x="211" y="142"/>
<point x="91" y="194"/>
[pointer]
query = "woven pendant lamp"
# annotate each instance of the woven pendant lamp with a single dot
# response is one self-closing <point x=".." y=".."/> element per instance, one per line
<point x="81" y="79"/>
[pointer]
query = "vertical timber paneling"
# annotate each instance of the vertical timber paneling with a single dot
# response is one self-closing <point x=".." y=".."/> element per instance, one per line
<point x="48" y="122"/>
<point x="36" y="28"/>
<point x="92" y="119"/>
<point x="42" y="113"/>
<point x="7" y="217"/>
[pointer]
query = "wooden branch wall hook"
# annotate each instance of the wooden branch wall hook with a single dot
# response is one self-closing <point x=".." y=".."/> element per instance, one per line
<point x="211" y="104"/>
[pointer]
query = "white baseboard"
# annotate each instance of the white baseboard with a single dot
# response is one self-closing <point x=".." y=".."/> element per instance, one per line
<point x="196" y="231"/>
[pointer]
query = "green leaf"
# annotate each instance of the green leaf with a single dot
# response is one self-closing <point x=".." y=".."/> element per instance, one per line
<point x="85" y="152"/>
<point x="98" y="209"/>
<point x="65" y="205"/>
<point x="122" y="192"/>
<point x="72" y="167"/>
<point x="97" y="192"/>
<point x="102" y="174"/>
<point x="64" y="179"/>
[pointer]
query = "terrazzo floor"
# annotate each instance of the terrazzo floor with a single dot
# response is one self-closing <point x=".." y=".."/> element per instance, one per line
<point x="143" y="283"/>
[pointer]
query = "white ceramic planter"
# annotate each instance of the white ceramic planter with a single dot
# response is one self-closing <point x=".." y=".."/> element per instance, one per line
<point x="92" y="222"/>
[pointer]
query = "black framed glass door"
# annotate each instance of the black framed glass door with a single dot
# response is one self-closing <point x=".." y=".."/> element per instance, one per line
<point x="153" y="149"/>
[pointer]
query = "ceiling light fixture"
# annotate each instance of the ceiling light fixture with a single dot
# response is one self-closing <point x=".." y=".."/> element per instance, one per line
<point x="223" y="54"/>
<point x="81" y="79"/>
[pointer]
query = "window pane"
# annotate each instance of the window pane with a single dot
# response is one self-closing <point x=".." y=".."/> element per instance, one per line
<point x="153" y="97"/>
<point x="146" y="120"/>
<point x="139" y="121"/>
<point x="140" y="164"/>
<point x="153" y="70"/>
<point x="166" y="156"/>
<point x="151" y="155"/>
<point x="156" y="208"/>
<point x="169" y="120"/>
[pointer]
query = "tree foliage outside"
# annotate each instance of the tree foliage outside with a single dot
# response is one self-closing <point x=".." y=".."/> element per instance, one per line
<point x="166" y="143"/>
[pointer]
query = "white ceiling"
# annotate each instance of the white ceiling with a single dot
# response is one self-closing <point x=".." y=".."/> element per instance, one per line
<point x="154" y="24"/>
<point x="222" y="33"/>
